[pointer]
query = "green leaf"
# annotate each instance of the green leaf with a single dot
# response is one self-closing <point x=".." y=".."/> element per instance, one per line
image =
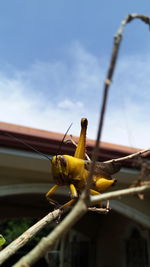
<point x="2" y="240"/>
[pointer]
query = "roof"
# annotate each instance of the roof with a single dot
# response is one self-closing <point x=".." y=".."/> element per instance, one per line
<point x="12" y="135"/>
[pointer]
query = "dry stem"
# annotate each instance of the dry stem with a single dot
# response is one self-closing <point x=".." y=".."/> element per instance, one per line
<point x="119" y="193"/>
<point x="27" y="235"/>
<point x="131" y="156"/>
<point x="47" y="243"/>
<point x="108" y="80"/>
<point x="79" y="210"/>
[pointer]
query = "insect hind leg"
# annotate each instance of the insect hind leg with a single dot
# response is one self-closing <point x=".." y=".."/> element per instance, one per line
<point x="94" y="192"/>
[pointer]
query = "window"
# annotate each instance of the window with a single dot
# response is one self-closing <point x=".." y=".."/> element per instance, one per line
<point x="74" y="249"/>
<point x="136" y="248"/>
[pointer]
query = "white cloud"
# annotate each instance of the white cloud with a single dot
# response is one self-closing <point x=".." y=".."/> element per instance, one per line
<point x="50" y="95"/>
<point x="69" y="104"/>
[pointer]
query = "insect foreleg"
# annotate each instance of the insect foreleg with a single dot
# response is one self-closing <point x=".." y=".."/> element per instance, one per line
<point x="68" y="204"/>
<point x="73" y="191"/>
<point x="50" y="193"/>
<point x="74" y="195"/>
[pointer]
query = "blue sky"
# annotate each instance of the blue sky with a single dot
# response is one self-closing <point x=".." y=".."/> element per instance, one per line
<point x="53" y="59"/>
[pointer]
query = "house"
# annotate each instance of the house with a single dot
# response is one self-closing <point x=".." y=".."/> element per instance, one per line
<point x="121" y="238"/>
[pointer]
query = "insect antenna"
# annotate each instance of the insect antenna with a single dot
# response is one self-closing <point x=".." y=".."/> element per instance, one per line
<point x="27" y="145"/>
<point x="59" y="148"/>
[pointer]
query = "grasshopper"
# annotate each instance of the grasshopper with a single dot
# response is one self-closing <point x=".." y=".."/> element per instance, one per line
<point x="73" y="171"/>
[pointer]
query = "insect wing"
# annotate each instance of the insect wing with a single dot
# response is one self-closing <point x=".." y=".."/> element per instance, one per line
<point x="103" y="168"/>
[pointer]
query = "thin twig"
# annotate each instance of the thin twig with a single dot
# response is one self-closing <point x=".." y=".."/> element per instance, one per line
<point x="79" y="210"/>
<point x="131" y="156"/>
<point x="99" y="210"/>
<point x="118" y="193"/>
<point x="107" y="83"/>
<point x="47" y="243"/>
<point x="27" y="235"/>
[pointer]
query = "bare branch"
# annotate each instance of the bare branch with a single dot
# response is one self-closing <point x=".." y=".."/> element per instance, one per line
<point x="108" y="80"/>
<point x="131" y="156"/>
<point x="99" y="210"/>
<point x="119" y="193"/>
<point x="77" y="212"/>
<point x="27" y="235"/>
<point x="47" y="243"/>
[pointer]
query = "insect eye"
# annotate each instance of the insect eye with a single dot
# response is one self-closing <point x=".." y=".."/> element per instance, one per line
<point x="63" y="162"/>
<point x="56" y="159"/>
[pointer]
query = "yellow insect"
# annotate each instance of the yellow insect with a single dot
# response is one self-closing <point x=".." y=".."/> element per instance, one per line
<point x="73" y="171"/>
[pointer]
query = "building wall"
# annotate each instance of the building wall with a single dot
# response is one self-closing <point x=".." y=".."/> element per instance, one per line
<point x="118" y="246"/>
